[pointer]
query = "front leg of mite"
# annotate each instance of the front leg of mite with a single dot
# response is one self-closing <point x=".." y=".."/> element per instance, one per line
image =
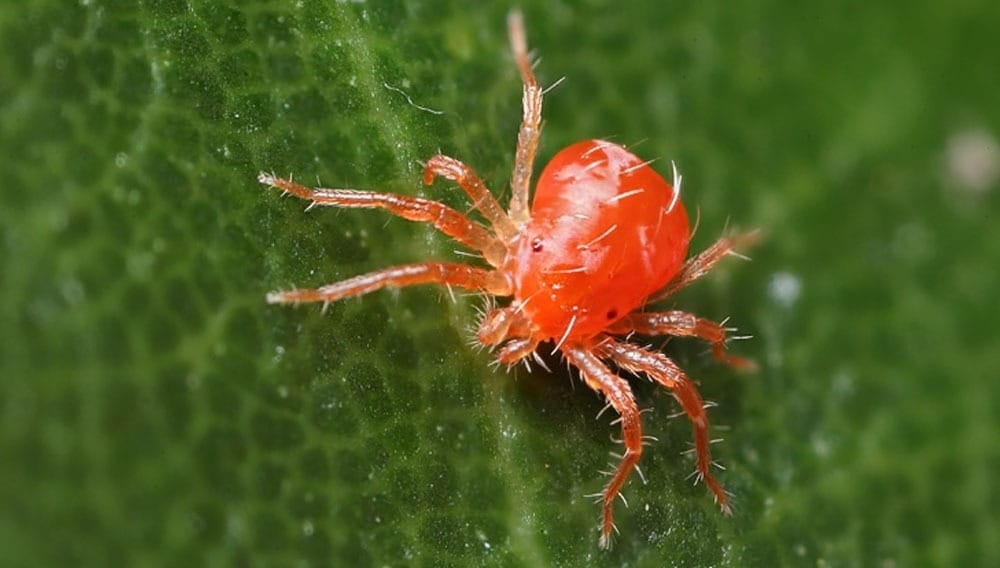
<point x="447" y="273"/>
<point x="618" y="393"/>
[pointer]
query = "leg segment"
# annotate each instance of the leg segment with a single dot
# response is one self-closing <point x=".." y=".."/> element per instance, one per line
<point x="509" y="327"/>
<point x="475" y="188"/>
<point x="461" y="275"/>
<point x="616" y="390"/>
<point x="697" y="266"/>
<point x="683" y="324"/>
<point x="662" y="370"/>
<point x="515" y="350"/>
<point x="444" y="218"/>
<point x="530" y="132"/>
<point x="501" y="324"/>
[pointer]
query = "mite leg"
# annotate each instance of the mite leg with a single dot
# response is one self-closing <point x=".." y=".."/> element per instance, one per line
<point x="683" y="324"/>
<point x="444" y="218"/>
<point x="475" y="188"/>
<point x="616" y="390"/>
<point x="500" y="324"/>
<point x="516" y="350"/>
<point x="662" y="370"/>
<point x="511" y="328"/>
<point x="460" y="275"/>
<point x="697" y="266"/>
<point x="530" y="132"/>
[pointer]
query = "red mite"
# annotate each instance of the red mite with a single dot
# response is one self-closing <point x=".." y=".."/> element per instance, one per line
<point x="605" y="236"/>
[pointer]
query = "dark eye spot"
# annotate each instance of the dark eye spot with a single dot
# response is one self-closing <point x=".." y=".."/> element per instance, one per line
<point x="536" y="244"/>
<point x="612" y="314"/>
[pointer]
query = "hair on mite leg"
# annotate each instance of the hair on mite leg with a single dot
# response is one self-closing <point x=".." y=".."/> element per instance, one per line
<point x="495" y="365"/>
<point x="739" y="255"/>
<point x="606" y="540"/>
<point x="557" y="82"/>
<point x="642" y="476"/>
<point x="677" y="414"/>
<point x="603" y="410"/>
<point x="541" y="362"/>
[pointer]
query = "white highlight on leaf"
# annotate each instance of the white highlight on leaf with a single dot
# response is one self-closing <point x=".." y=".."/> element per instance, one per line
<point x="972" y="160"/>
<point x="784" y="288"/>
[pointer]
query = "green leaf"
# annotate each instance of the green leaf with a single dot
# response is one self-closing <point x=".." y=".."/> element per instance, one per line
<point x="156" y="410"/>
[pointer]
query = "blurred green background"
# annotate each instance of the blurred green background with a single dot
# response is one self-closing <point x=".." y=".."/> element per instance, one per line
<point x="156" y="411"/>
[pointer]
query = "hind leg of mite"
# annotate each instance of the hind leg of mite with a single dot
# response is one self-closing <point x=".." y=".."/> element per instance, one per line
<point x="619" y="395"/>
<point x="662" y="370"/>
